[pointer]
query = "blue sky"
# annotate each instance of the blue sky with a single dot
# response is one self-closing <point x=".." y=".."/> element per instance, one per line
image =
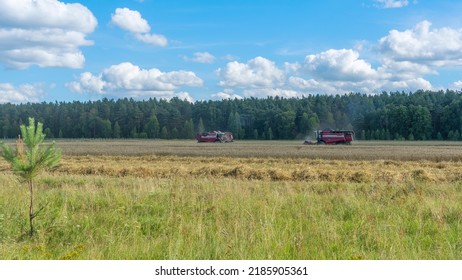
<point x="54" y="50"/>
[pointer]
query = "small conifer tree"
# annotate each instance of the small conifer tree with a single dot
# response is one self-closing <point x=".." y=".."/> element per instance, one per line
<point x="30" y="158"/>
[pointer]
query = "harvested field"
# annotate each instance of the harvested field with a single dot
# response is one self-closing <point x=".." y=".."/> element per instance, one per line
<point x="369" y="150"/>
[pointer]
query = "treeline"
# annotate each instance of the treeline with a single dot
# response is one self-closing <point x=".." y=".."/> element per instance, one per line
<point x="422" y="115"/>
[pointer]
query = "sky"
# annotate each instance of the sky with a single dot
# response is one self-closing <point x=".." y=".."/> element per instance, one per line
<point x="85" y="50"/>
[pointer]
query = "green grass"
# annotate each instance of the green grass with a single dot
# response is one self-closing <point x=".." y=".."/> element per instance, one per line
<point x="102" y="217"/>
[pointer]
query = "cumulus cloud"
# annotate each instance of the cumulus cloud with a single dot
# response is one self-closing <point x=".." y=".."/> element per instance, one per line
<point x="182" y="96"/>
<point x="340" y="65"/>
<point x="88" y="83"/>
<point x="423" y="45"/>
<point x="404" y="60"/>
<point x="342" y="71"/>
<point x="292" y="67"/>
<point x="256" y="73"/>
<point x="412" y="84"/>
<point x="226" y="94"/>
<point x="387" y="4"/>
<point x="130" y="21"/>
<point x="258" y="77"/>
<point x="335" y="71"/>
<point x="457" y="85"/>
<point x="405" y="69"/>
<point x="133" y="22"/>
<point x="201" y="57"/>
<point x="20" y="94"/>
<point x="46" y="33"/>
<point x="152" y="39"/>
<point x="314" y="86"/>
<point x="130" y="80"/>
<point x="265" y="92"/>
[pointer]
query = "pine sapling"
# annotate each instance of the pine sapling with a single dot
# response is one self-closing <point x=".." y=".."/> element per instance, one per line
<point x="30" y="158"/>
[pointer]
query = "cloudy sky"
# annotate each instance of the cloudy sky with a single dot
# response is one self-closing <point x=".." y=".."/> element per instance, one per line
<point x="54" y="50"/>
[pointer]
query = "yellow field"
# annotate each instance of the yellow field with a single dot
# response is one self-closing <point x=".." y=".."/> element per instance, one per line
<point x="359" y="150"/>
<point x="265" y="169"/>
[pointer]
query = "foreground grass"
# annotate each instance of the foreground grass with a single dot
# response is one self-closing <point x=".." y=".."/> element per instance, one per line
<point x="110" y="217"/>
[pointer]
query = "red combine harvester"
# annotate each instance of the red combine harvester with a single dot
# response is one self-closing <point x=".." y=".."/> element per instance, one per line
<point x="215" y="136"/>
<point x="332" y="137"/>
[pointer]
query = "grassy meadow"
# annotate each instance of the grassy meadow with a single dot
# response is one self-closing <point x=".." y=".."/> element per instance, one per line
<point x="241" y="200"/>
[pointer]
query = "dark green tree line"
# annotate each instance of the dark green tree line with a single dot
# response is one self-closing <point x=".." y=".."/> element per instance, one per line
<point x="422" y="115"/>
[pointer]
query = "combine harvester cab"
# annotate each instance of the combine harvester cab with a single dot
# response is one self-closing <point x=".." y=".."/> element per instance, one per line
<point x="215" y="136"/>
<point x="332" y="137"/>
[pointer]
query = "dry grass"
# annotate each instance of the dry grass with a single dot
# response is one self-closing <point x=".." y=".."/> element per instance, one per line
<point x="275" y="169"/>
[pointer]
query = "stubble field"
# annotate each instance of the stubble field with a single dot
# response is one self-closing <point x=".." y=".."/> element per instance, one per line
<point x="243" y="200"/>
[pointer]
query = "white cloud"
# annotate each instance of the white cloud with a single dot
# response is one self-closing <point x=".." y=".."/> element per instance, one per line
<point x="314" y="86"/>
<point x="30" y="14"/>
<point x="130" y="21"/>
<point x="127" y="79"/>
<point x="403" y="70"/>
<point x="422" y="45"/>
<point x="265" y="92"/>
<point x="404" y="60"/>
<point x="87" y="83"/>
<point x="457" y="85"/>
<point x="133" y="22"/>
<point x="46" y="33"/>
<point x="387" y="4"/>
<point x="340" y="65"/>
<point x="367" y="86"/>
<point x="230" y="57"/>
<point x="410" y="84"/>
<point x="202" y="57"/>
<point x="256" y="73"/>
<point x="226" y="94"/>
<point x="152" y="39"/>
<point x="20" y="94"/>
<point x="292" y="67"/>
<point x="341" y="71"/>
<point x="184" y="96"/>
<point x="329" y="72"/>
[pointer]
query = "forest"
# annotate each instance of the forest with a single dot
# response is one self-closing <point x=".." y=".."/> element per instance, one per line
<point x="420" y="115"/>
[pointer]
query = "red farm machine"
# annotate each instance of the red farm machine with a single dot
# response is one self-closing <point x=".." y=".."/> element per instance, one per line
<point x="332" y="137"/>
<point x="215" y="136"/>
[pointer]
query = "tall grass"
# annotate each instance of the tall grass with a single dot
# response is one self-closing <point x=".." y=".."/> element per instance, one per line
<point x="108" y="217"/>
